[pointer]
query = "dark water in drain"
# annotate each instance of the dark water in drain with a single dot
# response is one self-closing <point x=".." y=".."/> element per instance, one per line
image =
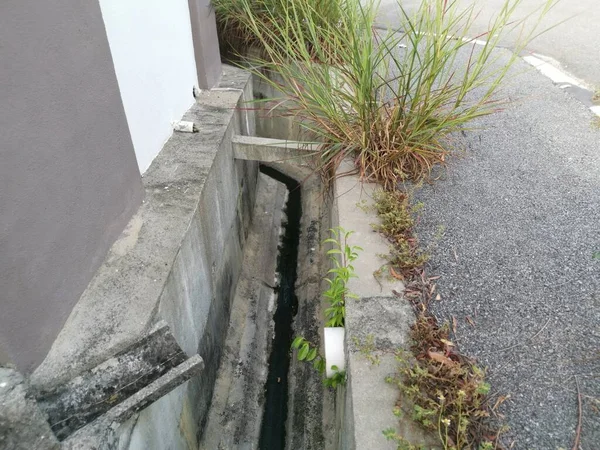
<point x="272" y="435"/>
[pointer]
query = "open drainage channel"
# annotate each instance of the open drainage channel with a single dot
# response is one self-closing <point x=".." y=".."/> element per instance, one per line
<point x="263" y="398"/>
<point x="272" y="436"/>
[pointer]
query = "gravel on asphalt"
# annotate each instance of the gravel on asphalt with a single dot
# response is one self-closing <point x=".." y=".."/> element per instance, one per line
<point x="521" y="212"/>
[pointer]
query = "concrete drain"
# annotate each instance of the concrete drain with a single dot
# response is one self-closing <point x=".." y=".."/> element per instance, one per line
<point x="273" y="436"/>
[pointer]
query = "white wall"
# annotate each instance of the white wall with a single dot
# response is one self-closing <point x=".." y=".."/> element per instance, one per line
<point x="152" y="50"/>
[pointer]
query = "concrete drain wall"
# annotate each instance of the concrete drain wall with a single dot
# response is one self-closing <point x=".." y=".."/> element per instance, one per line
<point x="190" y="290"/>
<point x="246" y="408"/>
<point x="168" y="281"/>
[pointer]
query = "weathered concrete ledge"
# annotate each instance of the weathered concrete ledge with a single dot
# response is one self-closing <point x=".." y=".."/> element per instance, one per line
<point x="105" y="432"/>
<point x="178" y="260"/>
<point x="377" y="325"/>
<point x="87" y="396"/>
<point x="267" y="150"/>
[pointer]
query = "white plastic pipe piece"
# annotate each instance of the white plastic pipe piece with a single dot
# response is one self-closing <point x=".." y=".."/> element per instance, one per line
<point x="334" y="350"/>
<point x="186" y="127"/>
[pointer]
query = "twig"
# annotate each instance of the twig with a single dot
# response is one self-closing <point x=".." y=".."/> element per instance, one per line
<point x="506" y="364"/>
<point x="526" y="341"/>
<point x="578" y="430"/>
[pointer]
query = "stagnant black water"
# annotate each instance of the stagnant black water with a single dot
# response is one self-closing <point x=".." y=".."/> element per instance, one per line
<point x="272" y="435"/>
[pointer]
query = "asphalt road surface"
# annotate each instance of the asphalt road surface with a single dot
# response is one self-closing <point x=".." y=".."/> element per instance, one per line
<point x="521" y="212"/>
<point x="575" y="43"/>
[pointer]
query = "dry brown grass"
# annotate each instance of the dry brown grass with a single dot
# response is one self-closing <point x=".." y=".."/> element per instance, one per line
<point x="446" y="390"/>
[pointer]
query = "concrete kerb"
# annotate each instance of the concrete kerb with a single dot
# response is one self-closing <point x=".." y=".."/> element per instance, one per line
<point x="377" y="326"/>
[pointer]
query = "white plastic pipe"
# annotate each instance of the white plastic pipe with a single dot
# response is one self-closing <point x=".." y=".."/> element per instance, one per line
<point x="186" y="127"/>
<point x="334" y="350"/>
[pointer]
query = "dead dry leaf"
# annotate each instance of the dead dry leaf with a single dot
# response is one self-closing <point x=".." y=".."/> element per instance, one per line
<point x="441" y="358"/>
<point x="468" y="319"/>
<point x="501" y="399"/>
<point x="448" y="343"/>
<point x="395" y="274"/>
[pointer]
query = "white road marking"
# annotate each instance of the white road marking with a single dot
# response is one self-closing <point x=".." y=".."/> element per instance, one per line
<point x="555" y="74"/>
<point x="558" y="76"/>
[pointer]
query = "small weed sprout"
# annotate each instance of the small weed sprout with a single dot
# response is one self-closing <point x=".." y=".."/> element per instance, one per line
<point x="309" y="353"/>
<point x="338" y="378"/>
<point x="367" y="349"/>
<point x="397" y="218"/>
<point x="402" y="444"/>
<point x="342" y="255"/>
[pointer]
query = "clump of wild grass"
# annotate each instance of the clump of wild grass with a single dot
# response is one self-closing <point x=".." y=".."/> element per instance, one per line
<point x="397" y="219"/>
<point x="235" y="19"/>
<point x="387" y="99"/>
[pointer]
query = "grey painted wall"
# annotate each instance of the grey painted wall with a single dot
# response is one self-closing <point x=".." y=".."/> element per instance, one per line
<point x="69" y="181"/>
<point x="206" y="43"/>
